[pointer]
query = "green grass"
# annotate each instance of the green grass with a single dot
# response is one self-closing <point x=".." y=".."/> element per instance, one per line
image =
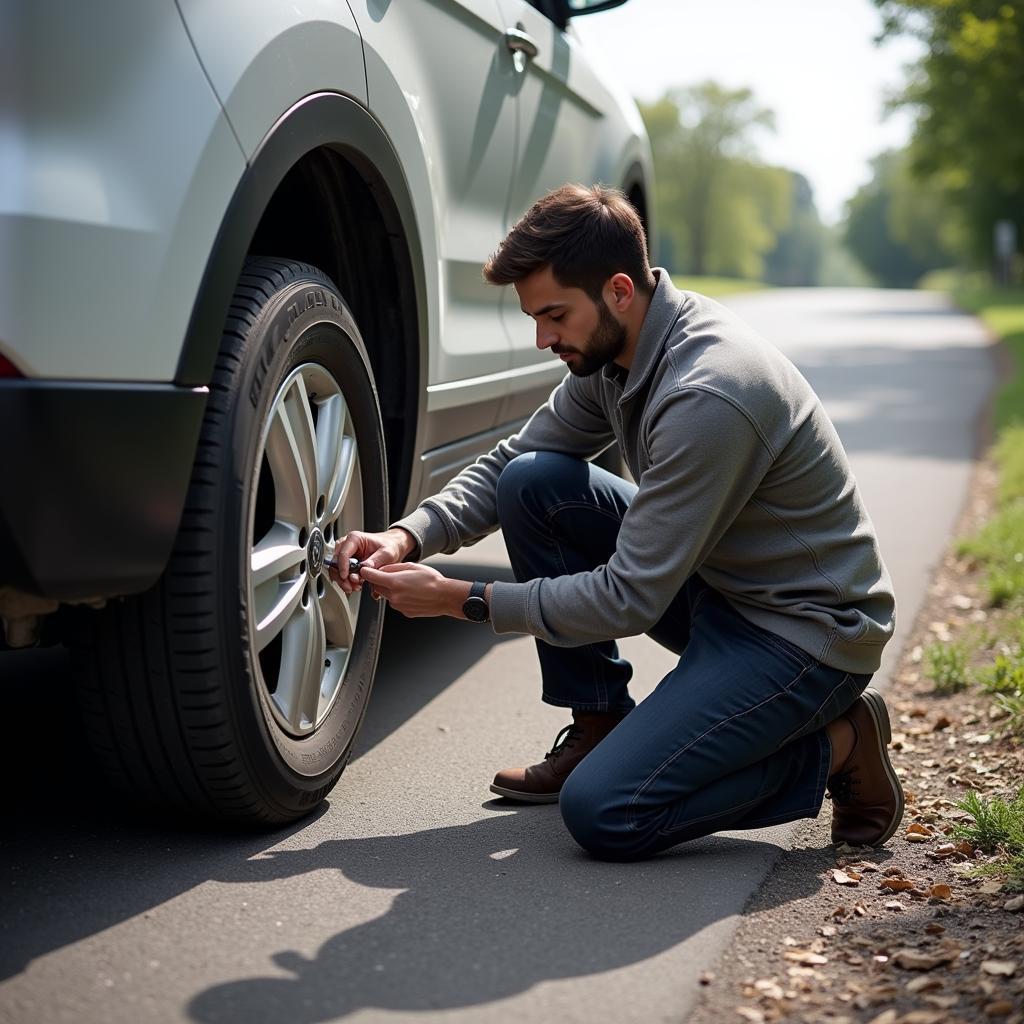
<point x="1003" y="312"/>
<point x="997" y="827"/>
<point x="946" y="666"/>
<point x="717" y="286"/>
<point x="1000" y="545"/>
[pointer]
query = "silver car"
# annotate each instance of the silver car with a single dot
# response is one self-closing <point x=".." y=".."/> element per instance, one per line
<point x="242" y="313"/>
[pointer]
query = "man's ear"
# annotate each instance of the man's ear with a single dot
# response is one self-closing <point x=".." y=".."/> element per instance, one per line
<point x="622" y="292"/>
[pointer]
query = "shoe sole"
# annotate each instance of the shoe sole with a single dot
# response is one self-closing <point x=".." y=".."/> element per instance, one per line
<point x="525" y="798"/>
<point x="883" y="731"/>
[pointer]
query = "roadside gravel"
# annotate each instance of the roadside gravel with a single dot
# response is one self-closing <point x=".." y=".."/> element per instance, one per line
<point x="899" y="935"/>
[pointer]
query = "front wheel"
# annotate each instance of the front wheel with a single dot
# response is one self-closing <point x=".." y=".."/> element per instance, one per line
<point x="236" y="686"/>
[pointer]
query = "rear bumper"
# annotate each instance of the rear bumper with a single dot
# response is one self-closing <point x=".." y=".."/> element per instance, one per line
<point x="93" y="478"/>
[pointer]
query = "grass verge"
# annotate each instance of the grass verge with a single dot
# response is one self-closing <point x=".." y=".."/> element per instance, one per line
<point x="717" y="286"/>
<point x="997" y="824"/>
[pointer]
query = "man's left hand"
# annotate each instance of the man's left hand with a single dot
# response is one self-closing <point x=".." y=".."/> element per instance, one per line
<point x="417" y="590"/>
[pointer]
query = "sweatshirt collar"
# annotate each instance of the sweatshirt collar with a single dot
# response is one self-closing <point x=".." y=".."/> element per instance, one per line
<point x="661" y="316"/>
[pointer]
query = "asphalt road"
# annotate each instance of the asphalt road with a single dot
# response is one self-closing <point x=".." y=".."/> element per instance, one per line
<point x="411" y="896"/>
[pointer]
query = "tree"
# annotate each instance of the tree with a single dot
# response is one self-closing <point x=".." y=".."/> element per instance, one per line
<point x="719" y="209"/>
<point x="799" y="250"/>
<point x="969" y="93"/>
<point x="896" y="227"/>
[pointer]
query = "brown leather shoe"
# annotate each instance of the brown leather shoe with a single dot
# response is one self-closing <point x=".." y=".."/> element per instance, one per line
<point x="541" y="783"/>
<point x="867" y="798"/>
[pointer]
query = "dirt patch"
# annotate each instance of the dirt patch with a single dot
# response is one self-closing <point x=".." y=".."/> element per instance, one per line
<point x="900" y="935"/>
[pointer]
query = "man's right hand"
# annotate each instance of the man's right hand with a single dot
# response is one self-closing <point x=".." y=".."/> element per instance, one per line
<point x="373" y="549"/>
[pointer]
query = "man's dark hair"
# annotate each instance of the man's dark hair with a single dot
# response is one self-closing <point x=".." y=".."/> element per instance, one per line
<point x="586" y="235"/>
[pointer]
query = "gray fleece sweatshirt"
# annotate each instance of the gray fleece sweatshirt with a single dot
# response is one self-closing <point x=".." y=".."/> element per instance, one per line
<point x="742" y="479"/>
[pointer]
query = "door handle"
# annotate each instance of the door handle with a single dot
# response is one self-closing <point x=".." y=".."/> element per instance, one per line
<point x="522" y="46"/>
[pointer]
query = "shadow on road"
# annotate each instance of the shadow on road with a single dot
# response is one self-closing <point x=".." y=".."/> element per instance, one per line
<point x="74" y="860"/>
<point x="422" y="657"/>
<point x="488" y="910"/>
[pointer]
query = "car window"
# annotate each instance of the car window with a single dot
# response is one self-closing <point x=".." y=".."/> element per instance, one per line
<point x="546" y="7"/>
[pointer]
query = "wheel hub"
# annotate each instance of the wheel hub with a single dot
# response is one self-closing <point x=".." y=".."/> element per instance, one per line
<point x="315" y="552"/>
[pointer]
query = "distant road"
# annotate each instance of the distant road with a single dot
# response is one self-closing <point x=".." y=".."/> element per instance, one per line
<point x="412" y="897"/>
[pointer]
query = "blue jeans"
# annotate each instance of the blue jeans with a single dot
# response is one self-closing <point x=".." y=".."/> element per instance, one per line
<point x="732" y="738"/>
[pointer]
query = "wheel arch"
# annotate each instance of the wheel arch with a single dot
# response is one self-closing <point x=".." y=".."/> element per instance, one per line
<point x="325" y="186"/>
<point x="637" y="188"/>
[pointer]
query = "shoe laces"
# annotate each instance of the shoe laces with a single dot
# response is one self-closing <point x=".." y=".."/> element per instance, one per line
<point x="842" y="786"/>
<point x="565" y="738"/>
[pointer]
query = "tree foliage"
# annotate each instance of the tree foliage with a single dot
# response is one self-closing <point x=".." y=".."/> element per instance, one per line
<point x="968" y="90"/>
<point x="720" y="210"/>
<point x="897" y="227"/>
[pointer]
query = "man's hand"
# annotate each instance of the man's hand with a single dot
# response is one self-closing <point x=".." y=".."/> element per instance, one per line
<point x="372" y="549"/>
<point x="417" y="590"/>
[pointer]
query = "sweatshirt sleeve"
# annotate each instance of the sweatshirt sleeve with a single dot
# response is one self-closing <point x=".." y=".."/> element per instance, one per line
<point x="706" y="460"/>
<point x="572" y="422"/>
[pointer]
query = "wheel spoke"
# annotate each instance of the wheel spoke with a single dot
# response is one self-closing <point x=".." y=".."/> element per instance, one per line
<point x="276" y="553"/>
<point x="302" y="666"/>
<point x="282" y="608"/>
<point x="340" y="613"/>
<point x="349" y="512"/>
<point x="344" y="472"/>
<point x="291" y="452"/>
<point x="330" y="438"/>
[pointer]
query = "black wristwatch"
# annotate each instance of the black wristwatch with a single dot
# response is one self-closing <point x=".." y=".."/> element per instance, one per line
<point x="475" y="607"/>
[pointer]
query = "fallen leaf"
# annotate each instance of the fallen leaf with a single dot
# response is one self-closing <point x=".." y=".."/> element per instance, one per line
<point x="923" y="983"/>
<point x="940" y="891"/>
<point x="966" y="848"/>
<point x="942" y="722"/>
<point x="896" y="884"/>
<point x="915" y="960"/>
<point x="991" y="886"/>
<point x="999" y="1008"/>
<point x="943" y="850"/>
<point x="917" y="837"/>
<point x="751" y="1014"/>
<point x="943" y="1002"/>
<point x="1002" y="968"/>
<point x="844" y="877"/>
<point x="885" y="1017"/>
<point x="934" y="928"/>
<point x="805" y="957"/>
<point x="919" y="829"/>
<point x="769" y="988"/>
<point x="923" y="1017"/>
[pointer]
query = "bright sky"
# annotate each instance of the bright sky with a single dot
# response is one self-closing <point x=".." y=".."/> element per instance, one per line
<point x="811" y="61"/>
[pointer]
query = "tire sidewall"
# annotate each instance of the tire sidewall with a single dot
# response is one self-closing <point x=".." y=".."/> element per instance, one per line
<point x="305" y="322"/>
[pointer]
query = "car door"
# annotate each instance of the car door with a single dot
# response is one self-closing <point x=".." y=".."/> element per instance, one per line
<point x="441" y="82"/>
<point x="569" y="122"/>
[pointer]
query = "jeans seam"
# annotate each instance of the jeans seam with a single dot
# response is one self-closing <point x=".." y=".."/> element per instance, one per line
<point x="718" y="725"/>
<point x="597" y="667"/>
<point x="842" y="682"/>
<point x="562" y="505"/>
<point x="708" y="817"/>
<point x="807" y="661"/>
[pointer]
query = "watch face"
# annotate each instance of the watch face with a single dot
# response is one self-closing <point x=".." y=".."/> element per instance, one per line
<point x="475" y="609"/>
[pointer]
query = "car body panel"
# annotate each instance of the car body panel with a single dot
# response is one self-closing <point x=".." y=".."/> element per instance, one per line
<point x="278" y="53"/>
<point x="114" y="174"/>
<point x="441" y="78"/>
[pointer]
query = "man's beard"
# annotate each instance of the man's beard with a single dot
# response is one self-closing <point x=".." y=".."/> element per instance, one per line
<point x="603" y="346"/>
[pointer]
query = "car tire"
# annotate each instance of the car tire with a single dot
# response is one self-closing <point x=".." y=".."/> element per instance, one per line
<point x="203" y="693"/>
